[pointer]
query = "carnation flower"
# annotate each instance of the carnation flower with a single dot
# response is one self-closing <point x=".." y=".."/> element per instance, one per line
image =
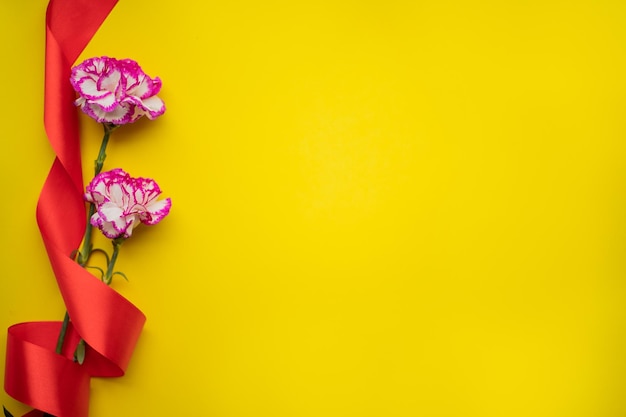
<point x="116" y="91"/>
<point x="123" y="202"/>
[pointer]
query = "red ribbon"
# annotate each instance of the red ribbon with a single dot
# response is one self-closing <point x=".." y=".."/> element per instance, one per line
<point x="110" y="324"/>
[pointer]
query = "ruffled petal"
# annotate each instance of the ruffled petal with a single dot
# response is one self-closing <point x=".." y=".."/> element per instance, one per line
<point x="123" y="202"/>
<point x="110" y="211"/>
<point x="156" y="211"/>
<point x="119" y="116"/>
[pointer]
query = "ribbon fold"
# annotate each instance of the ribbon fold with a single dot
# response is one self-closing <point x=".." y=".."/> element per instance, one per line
<point x="110" y="324"/>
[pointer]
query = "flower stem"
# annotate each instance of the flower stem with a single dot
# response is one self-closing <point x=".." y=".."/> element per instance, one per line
<point x="108" y="276"/>
<point x="61" y="338"/>
<point x="99" y="162"/>
<point x="85" y="252"/>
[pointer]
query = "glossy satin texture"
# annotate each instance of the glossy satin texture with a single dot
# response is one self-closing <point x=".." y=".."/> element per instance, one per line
<point x="110" y="324"/>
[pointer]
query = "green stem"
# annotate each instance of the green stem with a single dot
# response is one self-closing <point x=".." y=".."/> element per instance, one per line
<point x="61" y="338"/>
<point x="99" y="162"/>
<point x="108" y="276"/>
<point x="85" y="252"/>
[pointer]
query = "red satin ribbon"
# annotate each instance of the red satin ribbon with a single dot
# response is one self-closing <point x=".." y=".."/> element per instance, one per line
<point x="110" y="324"/>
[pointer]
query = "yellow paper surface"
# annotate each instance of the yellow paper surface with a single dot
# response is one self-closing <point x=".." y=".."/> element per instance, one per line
<point x="380" y="208"/>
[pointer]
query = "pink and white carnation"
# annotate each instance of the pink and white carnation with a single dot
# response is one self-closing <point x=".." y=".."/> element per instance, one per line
<point x="116" y="91"/>
<point x="123" y="202"/>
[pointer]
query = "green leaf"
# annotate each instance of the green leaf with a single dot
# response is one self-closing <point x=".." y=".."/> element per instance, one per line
<point x="123" y="275"/>
<point x="6" y="412"/>
<point x="99" y="269"/>
<point x="102" y="251"/>
<point x="79" y="353"/>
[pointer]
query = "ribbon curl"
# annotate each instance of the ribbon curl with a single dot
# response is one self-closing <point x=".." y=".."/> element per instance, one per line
<point x="109" y="324"/>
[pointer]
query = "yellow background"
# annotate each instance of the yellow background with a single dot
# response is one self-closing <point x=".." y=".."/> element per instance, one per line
<point x="380" y="208"/>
